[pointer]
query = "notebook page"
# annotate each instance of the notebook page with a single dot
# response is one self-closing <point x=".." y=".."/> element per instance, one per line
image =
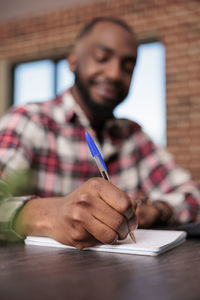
<point x="149" y="242"/>
<point x="148" y="239"/>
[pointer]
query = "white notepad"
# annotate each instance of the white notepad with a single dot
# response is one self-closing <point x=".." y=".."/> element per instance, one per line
<point x="149" y="242"/>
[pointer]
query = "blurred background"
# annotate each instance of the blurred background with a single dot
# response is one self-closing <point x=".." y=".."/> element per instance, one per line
<point x="35" y="37"/>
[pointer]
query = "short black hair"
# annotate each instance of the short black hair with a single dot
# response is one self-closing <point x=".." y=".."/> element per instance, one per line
<point x="89" y="26"/>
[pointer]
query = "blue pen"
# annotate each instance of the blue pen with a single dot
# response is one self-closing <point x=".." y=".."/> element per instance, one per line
<point x="97" y="156"/>
<point x="100" y="164"/>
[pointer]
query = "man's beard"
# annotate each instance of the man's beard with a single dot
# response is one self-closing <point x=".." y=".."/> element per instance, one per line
<point x="96" y="108"/>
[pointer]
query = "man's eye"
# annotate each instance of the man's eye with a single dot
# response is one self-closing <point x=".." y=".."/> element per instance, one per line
<point x="100" y="56"/>
<point x="129" y="66"/>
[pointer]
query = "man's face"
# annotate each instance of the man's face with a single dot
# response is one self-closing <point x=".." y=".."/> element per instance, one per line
<point x="106" y="58"/>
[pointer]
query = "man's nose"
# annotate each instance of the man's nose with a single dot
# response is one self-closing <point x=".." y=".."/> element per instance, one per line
<point x="113" y="71"/>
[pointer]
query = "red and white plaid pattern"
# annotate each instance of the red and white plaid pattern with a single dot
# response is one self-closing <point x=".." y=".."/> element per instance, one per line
<point x="49" y="139"/>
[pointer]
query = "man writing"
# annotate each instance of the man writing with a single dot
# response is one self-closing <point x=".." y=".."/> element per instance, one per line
<point x="75" y="206"/>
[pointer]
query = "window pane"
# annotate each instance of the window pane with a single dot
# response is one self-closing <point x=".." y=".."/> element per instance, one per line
<point x="65" y="78"/>
<point x="146" y="99"/>
<point x="34" y="81"/>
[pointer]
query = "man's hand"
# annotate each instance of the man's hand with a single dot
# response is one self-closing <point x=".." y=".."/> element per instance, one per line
<point x="147" y="215"/>
<point x="95" y="212"/>
<point x="151" y="213"/>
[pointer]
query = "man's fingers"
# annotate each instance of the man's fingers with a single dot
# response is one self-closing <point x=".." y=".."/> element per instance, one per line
<point x="93" y="226"/>
<point x="85" y="244"/>
<point x="116" y="198"/>
<point x="133" y="224"/>
<point x="111" y="218"/>
<point x="134" y="202"/>
<point x="103" y="211"/>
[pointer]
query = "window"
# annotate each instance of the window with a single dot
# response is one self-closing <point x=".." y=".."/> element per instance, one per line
<point x="42" y="80"/>
<point x="65" y="78"/>
<point x="146" y="99"/>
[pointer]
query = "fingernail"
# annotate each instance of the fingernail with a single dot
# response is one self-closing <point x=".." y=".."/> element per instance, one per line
<point x="129" y="212"/>
<point x="115" y="239"/>
<point x="133" y="225"/>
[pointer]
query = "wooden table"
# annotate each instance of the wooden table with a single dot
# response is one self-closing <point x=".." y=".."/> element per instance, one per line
<point x="31" y="272"/>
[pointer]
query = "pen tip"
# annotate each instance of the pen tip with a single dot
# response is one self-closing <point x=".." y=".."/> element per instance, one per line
<point x="132" y="237"/>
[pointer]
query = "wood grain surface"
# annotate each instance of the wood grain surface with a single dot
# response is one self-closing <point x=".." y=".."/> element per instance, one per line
<point x="31" y="272"/>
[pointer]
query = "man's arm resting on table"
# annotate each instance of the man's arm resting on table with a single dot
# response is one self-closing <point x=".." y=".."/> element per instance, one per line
<point x="44" y="217"/>
<point x="96" y="212"/>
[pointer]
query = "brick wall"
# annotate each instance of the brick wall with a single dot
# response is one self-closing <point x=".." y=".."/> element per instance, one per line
<point x="173" y="22"/>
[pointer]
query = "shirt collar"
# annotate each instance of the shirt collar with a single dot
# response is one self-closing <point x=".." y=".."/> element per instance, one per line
<point x="73" y="110"/>
<point x="116" y="128"/>
<point x="113" y="133"/>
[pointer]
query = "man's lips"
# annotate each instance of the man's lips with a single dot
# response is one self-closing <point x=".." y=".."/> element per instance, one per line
<point x="106" y="91"/>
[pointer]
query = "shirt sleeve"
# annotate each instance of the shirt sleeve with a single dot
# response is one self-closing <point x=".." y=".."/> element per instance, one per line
<point x="161" y="179"/>
<point x="17" y="132"/>
<point x="8" y="211"/>
<point x="16" y="140"/>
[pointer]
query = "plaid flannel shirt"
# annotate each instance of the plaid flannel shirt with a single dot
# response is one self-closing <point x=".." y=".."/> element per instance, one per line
<point x="49" y="139"/>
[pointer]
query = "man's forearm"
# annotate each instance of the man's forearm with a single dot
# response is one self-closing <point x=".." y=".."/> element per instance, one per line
<point x="36" y="217"/>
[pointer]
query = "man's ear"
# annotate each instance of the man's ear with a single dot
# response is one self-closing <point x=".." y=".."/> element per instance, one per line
<point x="72" y="60"/>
